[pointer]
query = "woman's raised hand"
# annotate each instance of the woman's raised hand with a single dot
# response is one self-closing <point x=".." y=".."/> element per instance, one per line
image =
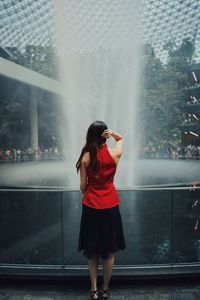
<point x="107" y="133"/>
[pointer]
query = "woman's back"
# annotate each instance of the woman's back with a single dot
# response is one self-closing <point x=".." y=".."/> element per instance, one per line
<point x="100" y="192"/>
<point x="101" y="233"/>
<point x="106" y="168"/>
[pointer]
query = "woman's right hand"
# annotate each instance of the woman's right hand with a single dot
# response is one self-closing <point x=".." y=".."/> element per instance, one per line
<point x="107" y="133"/>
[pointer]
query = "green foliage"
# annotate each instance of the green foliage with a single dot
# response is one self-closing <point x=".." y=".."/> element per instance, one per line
<point x="15" y="99"/>
<point x="164" y="91"/>
<point x="42" y="59"/>
<point x="161" y="104"/>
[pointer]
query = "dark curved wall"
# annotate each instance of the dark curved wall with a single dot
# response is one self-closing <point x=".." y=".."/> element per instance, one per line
<point x="40" y="228"/>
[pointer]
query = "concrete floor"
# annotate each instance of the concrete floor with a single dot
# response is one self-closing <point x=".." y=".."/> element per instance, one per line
<point x="184" y="289"/>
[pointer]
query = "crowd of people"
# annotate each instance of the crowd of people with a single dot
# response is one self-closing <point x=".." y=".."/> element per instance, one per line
<point x="164" y="150"/>
<point x="193" y="100"/>
<point x="190" y="118"/>
<point x="19" y="155"/>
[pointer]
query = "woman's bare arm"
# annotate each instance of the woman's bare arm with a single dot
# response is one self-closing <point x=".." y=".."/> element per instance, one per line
<point x="117" y="150"/>
<point x="83" y="172"/>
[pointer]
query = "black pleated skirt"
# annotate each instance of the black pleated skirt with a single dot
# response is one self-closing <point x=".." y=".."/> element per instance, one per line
<point x="101" y="232"/>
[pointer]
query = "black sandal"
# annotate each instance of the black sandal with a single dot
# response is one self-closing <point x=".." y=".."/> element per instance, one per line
<point x="93" y="293"/>
<point x="105" y="294"/>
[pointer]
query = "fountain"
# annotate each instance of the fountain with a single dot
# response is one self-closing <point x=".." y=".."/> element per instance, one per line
<point x="99" y="48"/>
<point x="100" y="67"/>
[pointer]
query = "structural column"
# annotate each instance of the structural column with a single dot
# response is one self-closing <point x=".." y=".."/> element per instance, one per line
<point x="34" y="121"/>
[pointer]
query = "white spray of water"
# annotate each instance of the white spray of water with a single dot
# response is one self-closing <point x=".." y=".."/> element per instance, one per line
<point x="98" y="42"/>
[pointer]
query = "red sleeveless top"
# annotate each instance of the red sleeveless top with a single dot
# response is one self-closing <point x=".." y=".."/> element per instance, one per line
<point x="101" y="192"/>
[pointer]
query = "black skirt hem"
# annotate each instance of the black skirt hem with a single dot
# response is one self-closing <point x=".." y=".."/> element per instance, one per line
<point x="101" y="232"/>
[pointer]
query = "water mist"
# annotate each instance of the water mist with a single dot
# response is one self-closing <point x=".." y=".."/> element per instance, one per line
<point x="98" y="43"/>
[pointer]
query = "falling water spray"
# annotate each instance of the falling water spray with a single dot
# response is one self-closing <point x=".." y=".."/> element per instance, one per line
<point x="99" y="48"/>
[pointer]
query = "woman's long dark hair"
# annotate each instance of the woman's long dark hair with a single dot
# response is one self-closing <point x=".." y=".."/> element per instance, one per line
<point x="93" y="141"/>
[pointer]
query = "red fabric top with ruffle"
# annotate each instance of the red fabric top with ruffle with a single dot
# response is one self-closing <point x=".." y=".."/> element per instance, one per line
<point x="101" y="192"/>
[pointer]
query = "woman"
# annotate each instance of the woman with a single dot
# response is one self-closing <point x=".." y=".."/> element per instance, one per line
<point x="101" y="232"/>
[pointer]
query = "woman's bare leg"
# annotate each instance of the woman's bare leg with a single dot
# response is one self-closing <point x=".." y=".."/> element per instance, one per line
<point x="107" y="267"/>
<point x="93" y="263"/>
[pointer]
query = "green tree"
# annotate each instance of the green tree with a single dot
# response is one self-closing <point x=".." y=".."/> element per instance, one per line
<point x="15" y="100"/>
<point x="15" y="115"/>
<point x="164" y="91"/>
<point x="42" y="59"/>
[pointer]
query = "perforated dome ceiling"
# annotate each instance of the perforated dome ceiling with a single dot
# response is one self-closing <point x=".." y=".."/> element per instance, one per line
<point x="92" y="24"/>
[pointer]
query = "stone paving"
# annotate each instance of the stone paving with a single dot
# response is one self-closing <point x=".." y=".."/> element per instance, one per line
<point x="120" y="290"/>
